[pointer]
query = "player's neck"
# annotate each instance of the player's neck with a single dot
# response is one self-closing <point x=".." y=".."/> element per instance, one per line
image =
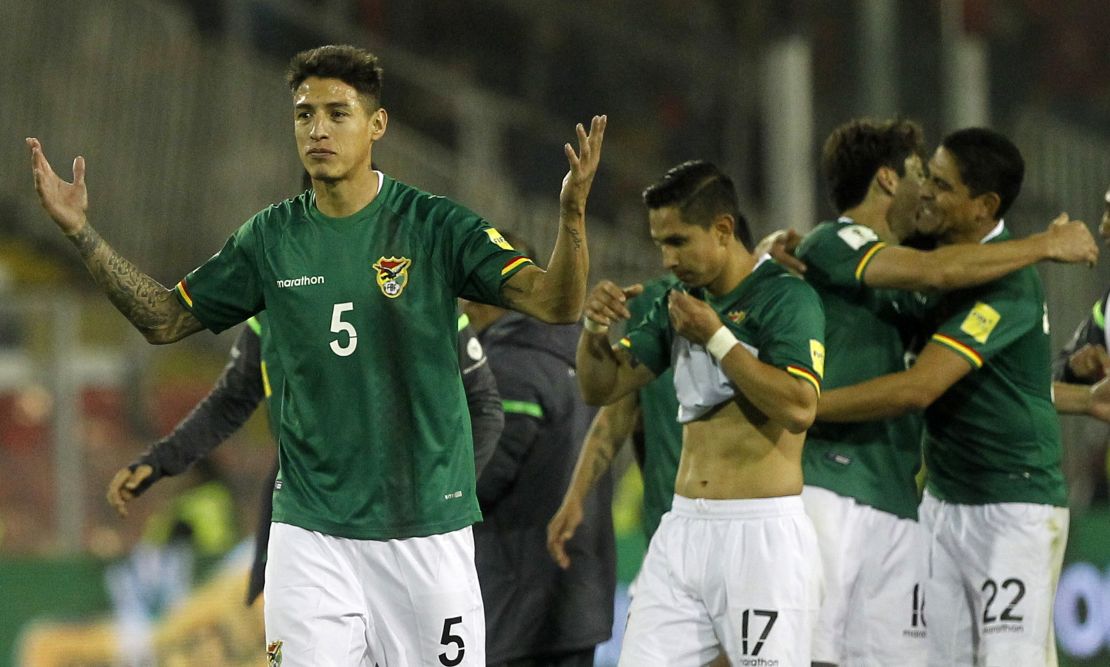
<point x="871" y="212"/>
<point x="346" y="196"/>
<point x="974" y="233"/>
<point x="738" y="267"/>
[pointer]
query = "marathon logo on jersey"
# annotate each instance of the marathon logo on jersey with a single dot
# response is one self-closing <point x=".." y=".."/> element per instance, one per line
<point x="299" y="282"/>
<point x="273" y="653"/>
<point x="392" y="275"/>
<point x="497" y="239"/>
<point x="980" y="322"/>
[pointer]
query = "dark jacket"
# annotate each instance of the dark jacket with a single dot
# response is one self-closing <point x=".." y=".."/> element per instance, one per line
<point x="532" y="607"/>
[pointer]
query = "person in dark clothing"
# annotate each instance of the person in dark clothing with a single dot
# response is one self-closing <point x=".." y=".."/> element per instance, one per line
<point x="536" y="613"/>
<point x="246" y="380"/>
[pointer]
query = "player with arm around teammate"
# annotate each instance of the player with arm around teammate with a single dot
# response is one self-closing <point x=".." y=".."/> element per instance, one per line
<point x="994" y="508"/>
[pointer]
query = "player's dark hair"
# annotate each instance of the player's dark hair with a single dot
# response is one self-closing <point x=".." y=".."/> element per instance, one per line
<point x="353" y="66"/>
<point x="701" y="192"/>
<point x="988" y="162"/>
<point x="856" y="150"/>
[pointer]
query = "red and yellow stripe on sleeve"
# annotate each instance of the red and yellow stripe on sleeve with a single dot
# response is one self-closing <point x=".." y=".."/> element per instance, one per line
<point x="805" y="374"/>
<point x="514" y="264"/>
<point x="959" y="348"/>
<point x="183" y="290"/>
<point x="867" y="257"/>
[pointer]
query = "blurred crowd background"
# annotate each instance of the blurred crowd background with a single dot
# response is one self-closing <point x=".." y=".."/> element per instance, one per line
<point x="180" y="108"/>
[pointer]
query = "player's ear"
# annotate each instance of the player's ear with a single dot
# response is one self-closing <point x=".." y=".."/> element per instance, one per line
<point x="378" y="121"/>
<point x="887" y="180"/>
<point x="987" y="204"/>
<point x="723" y="226"/>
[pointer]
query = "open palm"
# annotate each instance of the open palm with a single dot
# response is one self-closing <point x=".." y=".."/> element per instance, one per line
<point x="583" y="165"/>
<point x="65" y="202"/>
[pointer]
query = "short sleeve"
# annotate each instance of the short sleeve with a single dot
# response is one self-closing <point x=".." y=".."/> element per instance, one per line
<point x="650" y="339"/>
<point x="226" y="289"/>
<point x="988" y="322"/>
<point x="839" y="253"/>
<point x="792" y="335"/>
<point x="478" y="257"/>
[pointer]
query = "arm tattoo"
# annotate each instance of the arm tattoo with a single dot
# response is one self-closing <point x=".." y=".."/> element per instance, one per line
<point x="139" y="297"/>
<point x="575" y="236"/>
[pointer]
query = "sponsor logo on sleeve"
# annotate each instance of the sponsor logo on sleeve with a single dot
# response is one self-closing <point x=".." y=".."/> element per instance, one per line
<point x="857" y="236"/>
<point x="273" y="653"/>
<point x="497" y="239"/>
<point x="980" y="322"/>
<point x="817" y="356"/>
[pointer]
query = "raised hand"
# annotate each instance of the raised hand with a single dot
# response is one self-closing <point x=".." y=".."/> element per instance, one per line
<point x="692" y="318"/>
<point x="1070" y="241"/>
<point x="607" y="303"/>
<point x="66" y="202"/>
<point x="126" y="485"/>
<point x="583" y="166"/>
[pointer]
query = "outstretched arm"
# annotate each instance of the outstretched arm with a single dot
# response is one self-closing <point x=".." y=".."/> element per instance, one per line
<point x="937" y="368"/>
<point x="229" y="404"/>
<point x="966" y="265"/>
<point x="609" y="430"/>
<point x="1080" y="399"/>
<point x="148" y="305"/>
<point x="556" y="295"/>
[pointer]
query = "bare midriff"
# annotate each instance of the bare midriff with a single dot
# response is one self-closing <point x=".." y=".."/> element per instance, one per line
<point x="727" y="456"/>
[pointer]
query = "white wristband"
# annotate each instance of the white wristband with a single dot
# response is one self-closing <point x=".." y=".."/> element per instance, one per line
<point x="721" y="342"/>
<point x="594" y="327"/>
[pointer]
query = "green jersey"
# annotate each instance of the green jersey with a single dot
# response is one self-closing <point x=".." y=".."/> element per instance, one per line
<point x="659" y="414"/>
<point x="374" y="436"/>
<point x="871" y="462"/>
<point x="774" y="314"/>
<point x="994" y="436"/>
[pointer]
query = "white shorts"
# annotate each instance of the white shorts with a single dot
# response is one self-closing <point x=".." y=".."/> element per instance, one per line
<point x="874" y="565"/>
<point x="993" y="571"/>
<point x="741" y="577"/>
<point x="333" y="601"/>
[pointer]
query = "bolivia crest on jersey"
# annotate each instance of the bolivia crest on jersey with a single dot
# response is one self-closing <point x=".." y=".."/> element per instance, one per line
<point x="392" y="274"/>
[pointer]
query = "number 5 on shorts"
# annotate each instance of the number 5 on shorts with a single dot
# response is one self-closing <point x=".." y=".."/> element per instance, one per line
<point x="449" y="639"/>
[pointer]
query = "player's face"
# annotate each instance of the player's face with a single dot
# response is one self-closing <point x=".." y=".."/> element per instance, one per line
<point x="1104" y="226"/>
<point x="694" y="254"/>
<point x="905" y="213"/>
<point x="335" y="128"/>
<point x="946" y="201"/>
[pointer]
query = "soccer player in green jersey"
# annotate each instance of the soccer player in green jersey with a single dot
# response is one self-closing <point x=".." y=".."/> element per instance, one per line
<point x="994" y="508"/>
<point x="371" y="556"/>
<point x="860" y="489"/>
<point x="733" y="567"/>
